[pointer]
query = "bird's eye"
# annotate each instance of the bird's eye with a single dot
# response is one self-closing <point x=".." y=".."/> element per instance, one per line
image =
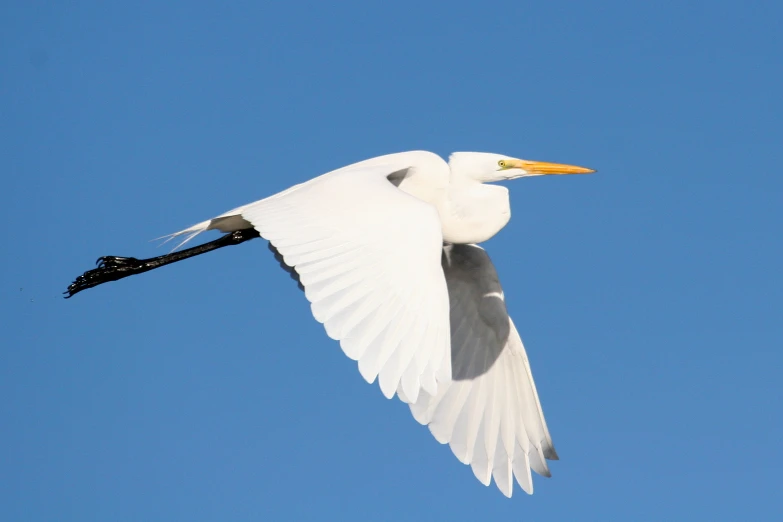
<point x="502" y="164"/>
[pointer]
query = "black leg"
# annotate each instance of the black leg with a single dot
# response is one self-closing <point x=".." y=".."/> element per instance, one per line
<point x="112" y="268"/>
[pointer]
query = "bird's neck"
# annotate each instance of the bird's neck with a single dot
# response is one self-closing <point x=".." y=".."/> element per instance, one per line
<point x="473" y="212"/>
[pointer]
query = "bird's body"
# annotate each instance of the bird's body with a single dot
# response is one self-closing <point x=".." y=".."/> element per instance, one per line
<point x="385" y="252"/>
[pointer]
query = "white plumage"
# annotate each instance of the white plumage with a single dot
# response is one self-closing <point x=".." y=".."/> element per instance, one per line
<point x="383" y="249"/>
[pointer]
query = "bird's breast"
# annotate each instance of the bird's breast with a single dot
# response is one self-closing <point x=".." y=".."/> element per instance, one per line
<point x="474" y="214"/>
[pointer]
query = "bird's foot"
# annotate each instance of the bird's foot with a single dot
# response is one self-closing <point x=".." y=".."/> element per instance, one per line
<point x="110" y="268"/>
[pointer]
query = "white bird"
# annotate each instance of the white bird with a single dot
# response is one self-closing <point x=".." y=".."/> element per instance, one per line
<point x="385" y="251"/>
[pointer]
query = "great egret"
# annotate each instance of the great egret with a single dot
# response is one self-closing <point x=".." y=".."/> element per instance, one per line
<point x="385" y="251"/>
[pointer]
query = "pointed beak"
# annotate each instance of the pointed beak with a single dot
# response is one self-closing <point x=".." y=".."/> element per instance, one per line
<point x="545" y="168"/>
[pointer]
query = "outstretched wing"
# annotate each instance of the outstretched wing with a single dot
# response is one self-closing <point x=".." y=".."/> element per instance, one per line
<point x="368" y="257"/>
<point x="489" y="413"/>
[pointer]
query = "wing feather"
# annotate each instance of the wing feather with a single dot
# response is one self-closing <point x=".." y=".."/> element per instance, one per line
<point x="368" y="256"/>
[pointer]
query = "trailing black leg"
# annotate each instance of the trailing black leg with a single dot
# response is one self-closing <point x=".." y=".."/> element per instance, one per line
<point x="112" y="268"/>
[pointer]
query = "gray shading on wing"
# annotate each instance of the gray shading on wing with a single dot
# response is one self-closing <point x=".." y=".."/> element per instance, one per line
<point x="479" y="320"/>
<point x="489" y="413"/>
<point x="291" y="270"/>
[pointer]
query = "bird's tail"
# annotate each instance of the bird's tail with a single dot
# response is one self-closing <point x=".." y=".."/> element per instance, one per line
<point x="230" y="221"/>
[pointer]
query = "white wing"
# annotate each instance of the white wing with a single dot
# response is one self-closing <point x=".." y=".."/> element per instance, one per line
<point x="489" y="413"/>
<point x="368" y="256"/>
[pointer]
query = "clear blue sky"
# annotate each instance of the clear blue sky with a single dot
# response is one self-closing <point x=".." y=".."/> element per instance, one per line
<point x="648" y="295"/>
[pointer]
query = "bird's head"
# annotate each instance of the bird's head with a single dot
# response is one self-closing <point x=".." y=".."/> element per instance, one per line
<point x="486" y="167"/>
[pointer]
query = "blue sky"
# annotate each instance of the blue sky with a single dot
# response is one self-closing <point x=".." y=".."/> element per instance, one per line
<point x="648" y="295"/>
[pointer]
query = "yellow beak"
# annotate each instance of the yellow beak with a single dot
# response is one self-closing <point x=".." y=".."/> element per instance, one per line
<point x="544" y="168"/>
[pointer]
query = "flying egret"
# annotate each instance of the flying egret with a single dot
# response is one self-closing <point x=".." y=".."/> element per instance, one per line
<point x="385" y="251"/>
